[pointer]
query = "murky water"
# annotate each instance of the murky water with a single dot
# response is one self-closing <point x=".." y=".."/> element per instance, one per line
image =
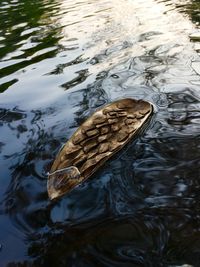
<point x="60" y="60"/>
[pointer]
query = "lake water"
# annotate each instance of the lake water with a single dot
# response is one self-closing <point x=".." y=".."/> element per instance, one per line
<point x="59" y="61"/>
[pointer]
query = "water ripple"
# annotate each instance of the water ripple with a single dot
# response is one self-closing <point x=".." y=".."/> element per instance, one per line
<point x="59" y="62"/>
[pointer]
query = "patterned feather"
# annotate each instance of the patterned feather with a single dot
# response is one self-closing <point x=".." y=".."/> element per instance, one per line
<point x="95" y="141"/>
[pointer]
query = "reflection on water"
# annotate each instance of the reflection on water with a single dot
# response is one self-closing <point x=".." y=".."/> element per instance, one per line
<point x="60" y="60"/>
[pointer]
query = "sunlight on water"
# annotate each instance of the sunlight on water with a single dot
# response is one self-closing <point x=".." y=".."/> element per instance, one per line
<point x="59" y="61"/>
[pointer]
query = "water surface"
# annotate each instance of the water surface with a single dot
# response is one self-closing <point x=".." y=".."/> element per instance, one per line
<point x="59" y="61"/>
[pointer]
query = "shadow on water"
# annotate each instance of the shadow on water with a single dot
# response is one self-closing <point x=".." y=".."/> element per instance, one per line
<point x="142" y="207"/>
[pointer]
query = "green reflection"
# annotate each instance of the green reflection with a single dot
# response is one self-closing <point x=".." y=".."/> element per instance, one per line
<point x="26" y="27"/>
<point x="193" y="10"/>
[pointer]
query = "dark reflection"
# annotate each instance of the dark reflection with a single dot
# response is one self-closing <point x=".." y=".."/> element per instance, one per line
<point x="5" y="85"/>
<point x="60" y="68"/>
<point x="149" y="239"/>
<point x="25" y="32"/>
<point x="25" y="17"/>
<point x="192" y="9"/>
<point x="81" y="77"/>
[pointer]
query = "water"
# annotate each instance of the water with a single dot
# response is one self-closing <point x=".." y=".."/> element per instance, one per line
<point x="60" y="60"/>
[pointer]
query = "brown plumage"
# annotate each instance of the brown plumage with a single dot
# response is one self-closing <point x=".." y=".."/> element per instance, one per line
<point x="97" y="139"/>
